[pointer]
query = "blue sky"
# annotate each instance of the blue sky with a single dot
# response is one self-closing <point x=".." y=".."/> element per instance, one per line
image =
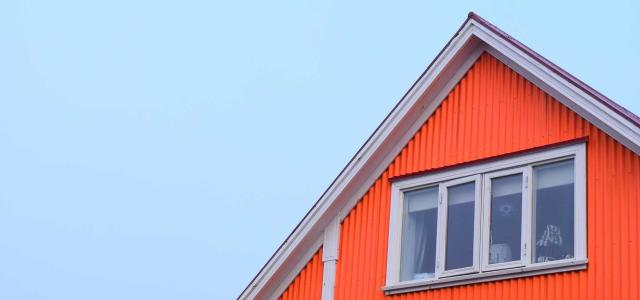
<point x="163" y="150"/>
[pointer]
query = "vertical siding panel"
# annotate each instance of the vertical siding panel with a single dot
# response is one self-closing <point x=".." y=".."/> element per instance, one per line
<point x="616" y="253"/>
<point x="350" y="255"/>
<point x="362" y="259"/>
<point x="419" y="148"/>
<point x="500" y="119"/>
<point x="529" y="132"/>
<point x="493" y="111"/>
<point x="593" y="245"/>
<point x="355" y="266"/>
<point x="517" y="118"/>
<point x="382" y="229"/>
<point x="488" y="110"/>
<point x="509" y="105"/>
<point x="456" y="115"/>
<point x="636" y="229"/>
<point x="448" y="126"/>
<point x="362" y="263"/>
<point x="606" y="222"/>
<point x="429" y="143"/>
<point x="427" y="131"/>
<point x="539" y="106"/>
<point x="499" y="111"/>
<point x="572" y="130"/>
<point x="552" y="117"/>
<point x="455" y="121"/>
<point x="375" y="229"/>
<point x="593" y="205"/>
<point x="300" y="289"/>
<point x="624" y="218"/>
<point x="400" y="165"/>
<point x="411" y="154"/>
<point x="634" y="211"/>
<point x="442" y="133"/>
<point x="308" y="283"/>
<point x="474" y="104"/>
<point x="463" y="112"/>
<point x="295" y="294"/>
<point x="370" y="240"/>
<point x="443" y="154"/>
<point x="357" y="259"/>
<point x="434" y="145"/>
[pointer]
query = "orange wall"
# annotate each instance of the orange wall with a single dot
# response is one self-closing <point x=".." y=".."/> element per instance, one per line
<point x="494" y="111"/>
<point x="308" y="284"/>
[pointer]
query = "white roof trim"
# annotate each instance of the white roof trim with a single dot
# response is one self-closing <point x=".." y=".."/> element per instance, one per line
<point x="403" y="122"/>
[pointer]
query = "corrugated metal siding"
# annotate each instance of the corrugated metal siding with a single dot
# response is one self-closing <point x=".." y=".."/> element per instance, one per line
<point x="308" y="284"/>
<point x="494" y="111"/>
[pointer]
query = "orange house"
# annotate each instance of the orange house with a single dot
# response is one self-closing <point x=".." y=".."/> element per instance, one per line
<point x="498" y="175"/>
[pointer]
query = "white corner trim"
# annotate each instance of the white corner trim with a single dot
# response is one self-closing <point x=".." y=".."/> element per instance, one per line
<point x="331" y="240"/>
<point x="328" y="279"/>
<point x="330" y="258"/>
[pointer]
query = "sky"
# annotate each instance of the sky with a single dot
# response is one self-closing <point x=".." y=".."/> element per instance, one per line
<point x="165" y="149"/>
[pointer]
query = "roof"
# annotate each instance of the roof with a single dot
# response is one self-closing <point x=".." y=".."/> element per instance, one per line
<point x="474" y="37"/>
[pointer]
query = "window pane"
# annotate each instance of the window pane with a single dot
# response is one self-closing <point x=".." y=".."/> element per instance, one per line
<point x="553" y="218"/>
<point x="506" y="219"/>
<point x="460" y="222"/>
<point x="419" y="230"/>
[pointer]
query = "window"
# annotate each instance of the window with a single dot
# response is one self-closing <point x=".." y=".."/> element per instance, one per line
<point x="518" y="216"/>
<point x="419" y="232"/>
<point x="504" y="211"/>
<point x="461" y="231"/>
<point x="553" y="216"/>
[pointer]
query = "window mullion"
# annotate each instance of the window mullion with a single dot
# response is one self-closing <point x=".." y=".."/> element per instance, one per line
<point x="477" y="227"/>
<point x="485" y="223"/>
<point x="527" y="216"/>
<point x="442" y="224"/>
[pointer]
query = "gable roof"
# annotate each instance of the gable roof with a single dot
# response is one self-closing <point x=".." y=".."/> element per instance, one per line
<point x="474" y="37"/>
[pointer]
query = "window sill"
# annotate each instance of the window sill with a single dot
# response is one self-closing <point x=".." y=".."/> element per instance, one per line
<point x="413" y="286"/>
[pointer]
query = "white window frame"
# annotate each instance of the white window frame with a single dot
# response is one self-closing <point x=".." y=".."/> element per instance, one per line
<point x="486" y="207"/>
<point x="482" y="172"/>
<point x="443" y="209"/>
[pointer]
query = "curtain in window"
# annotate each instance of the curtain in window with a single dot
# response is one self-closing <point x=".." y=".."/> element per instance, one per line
<point x="419" y="235"/>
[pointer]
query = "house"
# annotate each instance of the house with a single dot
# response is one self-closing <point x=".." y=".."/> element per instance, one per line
<point x="498" y="175"/>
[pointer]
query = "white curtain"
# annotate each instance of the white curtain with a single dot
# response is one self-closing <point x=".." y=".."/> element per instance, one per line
<point x="415" y="235"/>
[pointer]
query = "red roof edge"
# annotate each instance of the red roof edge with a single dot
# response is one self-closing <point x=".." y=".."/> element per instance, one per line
<point x="631" y="117"/>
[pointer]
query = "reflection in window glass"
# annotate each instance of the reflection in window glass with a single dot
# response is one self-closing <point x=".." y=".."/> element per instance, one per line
<point x="553" y="209"/>
<point x="506" y="219"/>
<point x="460" y="223"/>
<point x="419" y="232"/>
